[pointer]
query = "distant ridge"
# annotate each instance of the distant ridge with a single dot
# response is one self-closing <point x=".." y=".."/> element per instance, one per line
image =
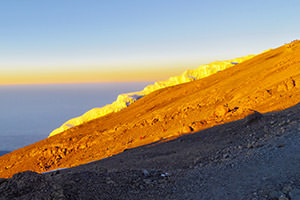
<point x="124" y="100"/>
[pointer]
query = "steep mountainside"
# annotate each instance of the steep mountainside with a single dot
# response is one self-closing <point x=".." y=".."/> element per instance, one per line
<point x="124" y="100"/>
<point x="267" y="82"/>
<point x="254" y="158"/>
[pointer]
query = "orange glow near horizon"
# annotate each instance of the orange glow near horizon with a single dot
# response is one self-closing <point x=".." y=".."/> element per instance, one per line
<point x="88" y="76"/>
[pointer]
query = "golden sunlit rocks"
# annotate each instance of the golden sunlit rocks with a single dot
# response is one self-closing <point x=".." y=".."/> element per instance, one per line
<point x="124" y="100"/>
<point x="260" y="84"/>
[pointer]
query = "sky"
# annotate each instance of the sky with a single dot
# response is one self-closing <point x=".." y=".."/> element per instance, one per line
<point x="80" y="41"/>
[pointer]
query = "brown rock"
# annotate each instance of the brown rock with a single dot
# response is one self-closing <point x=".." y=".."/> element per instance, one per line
<point x="221" y="111"/>
<point x="187" y="129"/>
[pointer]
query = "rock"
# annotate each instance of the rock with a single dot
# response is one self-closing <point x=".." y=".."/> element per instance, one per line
<point x="187" y="129"/>
<point x="145" y="172"/>
<point x="287" y="189"/>
<point x="167" y="174"/>
<point x="295" y="194"/>
<point x="21" y="184"/>
<point x="274" y="195"/>
<point x="290" y="84"/>
<point x="197" y="125"/>
<point x="280" y="145"/>
<point x="282" y="123"/>
<point x="283" y="197"/>
<point x="255" y="116"/>
<point x="226" y="155"/>
<point x="147" y="181"/>
<point x="58" y="194"/>
<point x="221" y="111"/>
<point x="110" y="182"/>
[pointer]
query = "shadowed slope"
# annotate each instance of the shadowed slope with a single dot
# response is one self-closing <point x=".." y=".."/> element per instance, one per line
<point x="267" y="82"/>
<point x="229" y="161"/>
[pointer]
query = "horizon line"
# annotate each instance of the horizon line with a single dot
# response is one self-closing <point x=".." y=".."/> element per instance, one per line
<point x="74" y="83"/>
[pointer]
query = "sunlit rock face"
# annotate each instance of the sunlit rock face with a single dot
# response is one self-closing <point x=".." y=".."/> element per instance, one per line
<point x="124" y="100"/>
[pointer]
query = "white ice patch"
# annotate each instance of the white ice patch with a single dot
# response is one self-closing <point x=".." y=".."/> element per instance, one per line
<point x="124" y="100"/>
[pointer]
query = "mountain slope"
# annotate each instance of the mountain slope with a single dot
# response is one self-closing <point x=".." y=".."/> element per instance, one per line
<point x="245" y="159"/>
<point x="267" y="82"/>
<point x="124" y="100"/>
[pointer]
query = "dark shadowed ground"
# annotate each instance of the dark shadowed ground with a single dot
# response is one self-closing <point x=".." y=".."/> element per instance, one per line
<point x="254" y="158"/>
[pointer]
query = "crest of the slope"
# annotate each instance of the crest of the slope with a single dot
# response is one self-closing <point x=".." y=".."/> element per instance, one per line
<point x="124" y="100"/>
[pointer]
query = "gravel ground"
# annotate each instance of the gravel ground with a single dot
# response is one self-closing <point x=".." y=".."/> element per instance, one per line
<point x="254" y="158"/>
<point x="267" y="168"/>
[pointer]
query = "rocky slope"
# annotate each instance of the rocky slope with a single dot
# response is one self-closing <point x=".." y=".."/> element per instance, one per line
<point x="254" y="158"/>
<point x="124" y="100"/>
<point x="267" y="82"/>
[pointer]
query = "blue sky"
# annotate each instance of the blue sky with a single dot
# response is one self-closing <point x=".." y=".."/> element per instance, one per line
<point x="114" y="36"/>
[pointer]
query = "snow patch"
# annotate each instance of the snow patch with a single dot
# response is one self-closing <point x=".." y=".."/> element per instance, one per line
<point x="124" y="100"/>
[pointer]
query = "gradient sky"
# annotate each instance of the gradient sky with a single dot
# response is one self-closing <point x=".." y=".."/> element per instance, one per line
<point x="61" y="41"/>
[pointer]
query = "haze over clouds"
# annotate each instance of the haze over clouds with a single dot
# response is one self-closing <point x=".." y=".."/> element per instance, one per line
<point x="109" y="41"/>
